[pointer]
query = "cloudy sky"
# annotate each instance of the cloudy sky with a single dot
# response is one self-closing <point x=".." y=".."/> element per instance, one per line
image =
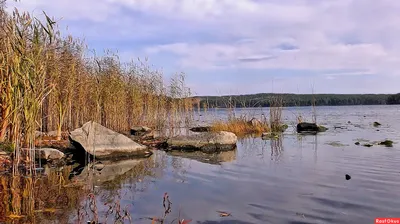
<point x="247" y="46"/>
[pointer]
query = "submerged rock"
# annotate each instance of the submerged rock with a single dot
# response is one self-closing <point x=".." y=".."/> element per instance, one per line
<point x="268" y="136"/>
<point x="102" y="142"/>
<point x="310" y="128"/>
<point x="201" y="129"/>
<point x="49" y="154"/>
<point x="207" y="142"/>
<point x="387" y="143"/>
<point x="357" y="143"/>
<point x="367" y="145"/>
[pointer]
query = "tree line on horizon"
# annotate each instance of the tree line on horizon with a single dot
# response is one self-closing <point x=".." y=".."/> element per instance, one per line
<point x="290" y="100"/>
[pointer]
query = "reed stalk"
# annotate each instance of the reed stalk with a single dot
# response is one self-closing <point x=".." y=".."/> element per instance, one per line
<point x="49" y="83"/>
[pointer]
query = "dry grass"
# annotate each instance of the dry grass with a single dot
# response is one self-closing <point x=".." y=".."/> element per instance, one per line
<point x="48" y="83"/>
<point x="275" y="114"/>
<point x="241" y="126"/>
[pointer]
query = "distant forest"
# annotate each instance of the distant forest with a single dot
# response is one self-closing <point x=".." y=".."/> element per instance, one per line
<point x="290" y="100"/>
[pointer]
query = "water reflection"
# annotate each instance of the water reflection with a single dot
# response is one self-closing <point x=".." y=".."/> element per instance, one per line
<point x="109" y="173"/>
<point x="214" y="158"/>
<point x="39" y="199"/>
<point x="276" y="148"/>
<point x="84" y="192"/>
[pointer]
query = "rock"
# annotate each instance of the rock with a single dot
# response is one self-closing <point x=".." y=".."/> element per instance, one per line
<point x="357" y="143"/>
<point x="102" y="142"/>
<point x="140" y="130"/>
<point x="52" y="133"/>
<point x="339" y="127"/>
<point x="310" y="128"/>
<point x="159" y="143"/>
<point x="207" y="142"/>
<point x="254" y="122"/>
<point x="387" y="143"/>
<point x="367" y="145"/>
<point x="39" y="134"/>
<point x="348" y="177"/>
<point x="48" y="154"/>
<point x="201" y="129"/>
<point x="376" y="124"/>
<point x="322" y="128"/>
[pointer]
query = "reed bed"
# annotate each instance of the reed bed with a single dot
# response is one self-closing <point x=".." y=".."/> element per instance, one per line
<point x="48" y="83"/>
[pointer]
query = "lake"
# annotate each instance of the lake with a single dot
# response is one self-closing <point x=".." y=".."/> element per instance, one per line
<point x="293" y="179"/>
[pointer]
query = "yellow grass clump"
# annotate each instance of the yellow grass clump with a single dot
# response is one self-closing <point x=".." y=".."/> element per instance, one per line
<point x="241" y="126"/>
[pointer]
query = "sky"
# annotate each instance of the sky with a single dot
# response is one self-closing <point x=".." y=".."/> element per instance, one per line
<point x="246" y="46"/>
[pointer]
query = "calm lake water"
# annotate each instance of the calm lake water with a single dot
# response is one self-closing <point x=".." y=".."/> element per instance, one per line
<point x="294" y="179"/>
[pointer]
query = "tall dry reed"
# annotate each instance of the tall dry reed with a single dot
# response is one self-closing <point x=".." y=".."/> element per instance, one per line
<point x="48" y="84"/>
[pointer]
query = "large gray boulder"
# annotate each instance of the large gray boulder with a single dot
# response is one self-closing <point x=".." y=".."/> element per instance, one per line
<point x="102" y="142"/>
<point x="48" y="154"/>
<point x="208" y="142"/>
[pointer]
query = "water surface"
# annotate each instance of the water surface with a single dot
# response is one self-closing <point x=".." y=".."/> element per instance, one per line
<point x="294" y="179"/>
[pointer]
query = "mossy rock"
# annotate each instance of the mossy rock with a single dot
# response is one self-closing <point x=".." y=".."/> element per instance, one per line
<point x="387" y="143"/>
<point x="269" y="136"/>
<point x="322" y="128"/>
<point x="7" y="147"/>
<point x="283" y="127"/>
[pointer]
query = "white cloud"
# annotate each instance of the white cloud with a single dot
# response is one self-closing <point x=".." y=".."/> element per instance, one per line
<point x="340" y="34"/>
